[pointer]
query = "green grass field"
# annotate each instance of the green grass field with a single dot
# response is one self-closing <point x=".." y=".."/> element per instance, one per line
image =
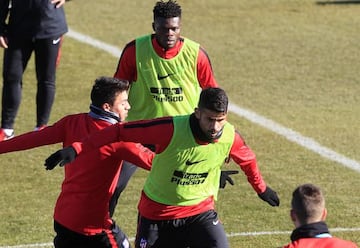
<point x="295" y="62"/>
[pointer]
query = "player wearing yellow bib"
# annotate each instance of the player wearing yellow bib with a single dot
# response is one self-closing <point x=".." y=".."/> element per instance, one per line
<point x="194" y="173"/>
<point x="167" y="87"/>
<point x="166" y="72"/>
<point x="176" y="207"/>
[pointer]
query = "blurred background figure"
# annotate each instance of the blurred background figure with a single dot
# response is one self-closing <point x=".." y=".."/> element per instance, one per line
<point x="28" y="26"/>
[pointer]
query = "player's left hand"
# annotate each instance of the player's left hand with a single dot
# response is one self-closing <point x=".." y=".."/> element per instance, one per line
<point x="270" y="196"/>
<point x="61" y="157"/>
<point x="225" y="177"/>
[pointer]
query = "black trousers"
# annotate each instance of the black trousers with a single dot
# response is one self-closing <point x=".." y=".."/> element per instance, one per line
<point x="127" y="170"/>
<point x="200" y="231"/>
<point x="113" y="238"/>
<point x="16" y="58"/>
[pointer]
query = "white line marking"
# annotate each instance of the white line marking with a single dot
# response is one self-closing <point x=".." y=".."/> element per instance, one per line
<point x="251" y="116"/>
<point x="295" y="137"/>
<point x="30" y="245"/>
<point x="332" y="230"/>
<point x="94" y="42"/>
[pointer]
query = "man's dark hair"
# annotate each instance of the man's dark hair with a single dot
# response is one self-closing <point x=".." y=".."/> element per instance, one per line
<point x="214" y="99"/>
<point x="106" y="89"/>
<point x="308" y="202"/>
<point x="167" y="9"/>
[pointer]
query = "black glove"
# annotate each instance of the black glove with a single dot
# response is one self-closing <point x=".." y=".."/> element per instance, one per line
<point x="61" y="157"/>
<point x="270" y="196"/>
<point x="225" y="177"/>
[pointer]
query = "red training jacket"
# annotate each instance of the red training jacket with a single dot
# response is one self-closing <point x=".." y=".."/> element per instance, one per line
<point x="83" y="204"/>
<point x="330" y="242"/>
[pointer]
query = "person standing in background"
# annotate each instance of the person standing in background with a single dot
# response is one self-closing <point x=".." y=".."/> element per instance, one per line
<point x="28" y="26"/>
<point x="308" y="214"/>
<point x="167" y="71"/>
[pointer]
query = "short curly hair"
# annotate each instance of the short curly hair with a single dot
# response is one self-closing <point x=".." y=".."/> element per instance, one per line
<point x="106" y="89"/>
<point x="167" y="9"/>
<point x="214" y="99"/>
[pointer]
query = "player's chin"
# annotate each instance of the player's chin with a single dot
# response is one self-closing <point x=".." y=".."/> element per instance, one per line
<point x="123" y="117"/>
<point x="170" y="43"/>
<point x="211" y="136"/>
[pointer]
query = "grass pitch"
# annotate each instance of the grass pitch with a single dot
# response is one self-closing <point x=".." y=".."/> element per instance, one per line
<point x="294" y="62"/>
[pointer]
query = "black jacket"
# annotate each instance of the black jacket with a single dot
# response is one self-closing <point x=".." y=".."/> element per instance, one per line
<point x="35" y="19"/>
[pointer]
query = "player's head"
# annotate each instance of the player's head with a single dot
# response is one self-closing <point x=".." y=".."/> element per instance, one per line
<point x="307" y="205"/>
<point x="167" y="23"/>
<point x="212" y="112"/>
<point x="214" y="99"/>
<point x="111" y="95"/>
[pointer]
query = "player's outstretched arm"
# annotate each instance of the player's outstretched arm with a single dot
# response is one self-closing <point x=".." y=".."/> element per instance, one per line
<point x="61" y="158"/>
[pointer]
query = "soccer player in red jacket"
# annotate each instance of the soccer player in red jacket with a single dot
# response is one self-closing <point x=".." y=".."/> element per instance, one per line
<point x="176" y="207"/>
<point x="82" y="216"/>
<point x="308" y="213"/>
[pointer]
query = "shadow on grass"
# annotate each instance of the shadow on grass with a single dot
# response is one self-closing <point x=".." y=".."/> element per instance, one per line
<point x="338" y="2"/>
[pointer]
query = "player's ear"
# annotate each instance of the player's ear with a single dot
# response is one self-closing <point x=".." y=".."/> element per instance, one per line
<point x="197" y="113"/>
<point x="292" y="215"/>
<point x="324" y="214"/>
<point x="106" y="106"/>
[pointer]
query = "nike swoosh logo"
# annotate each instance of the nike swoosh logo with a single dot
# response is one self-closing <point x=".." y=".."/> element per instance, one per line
<point x="215" y="222"/>
<point x="188" y="162"/>
<point x="56" y="41"/>
<point x="163" y="77"/>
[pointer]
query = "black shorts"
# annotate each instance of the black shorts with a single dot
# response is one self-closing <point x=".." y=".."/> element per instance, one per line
<point x="199" y="231"/>
<point x="113" y="238"/>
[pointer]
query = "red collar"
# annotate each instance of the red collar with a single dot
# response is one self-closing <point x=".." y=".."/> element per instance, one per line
<point x="171" y="52"/>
